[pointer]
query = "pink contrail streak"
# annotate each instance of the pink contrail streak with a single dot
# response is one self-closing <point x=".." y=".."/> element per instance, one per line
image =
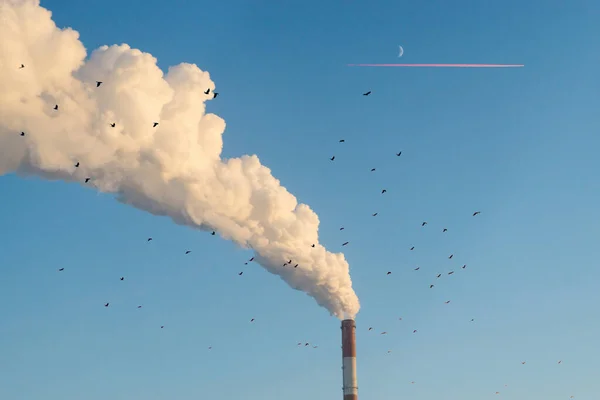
<point x="441" y="65"/>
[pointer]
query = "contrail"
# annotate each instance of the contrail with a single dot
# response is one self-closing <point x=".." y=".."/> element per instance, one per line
<point x="441" y="65"/>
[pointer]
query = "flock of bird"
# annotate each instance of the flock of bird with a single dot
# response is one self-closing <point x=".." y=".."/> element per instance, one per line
<point x="290" y="262"/>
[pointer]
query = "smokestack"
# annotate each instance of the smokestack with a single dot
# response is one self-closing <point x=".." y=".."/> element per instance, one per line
<point x="349" y="360"/>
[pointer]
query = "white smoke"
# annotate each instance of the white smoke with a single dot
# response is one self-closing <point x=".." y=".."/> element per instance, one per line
<point x="173" y="169"/>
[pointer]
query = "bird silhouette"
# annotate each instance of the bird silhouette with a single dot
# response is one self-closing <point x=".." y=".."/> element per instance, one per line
<point x="415" y="331"/>
<point x="384" y="333"/>
<point x="372" y="169"/>
<point x="439" y="275"/>
<point x="252" y="320"/>
<point x="61" y="269"/>
<point x="431" y="286"/>
<point x="188" y="252"/>
<point x="342" y="228"/>
<point x="207" y="91"/>
<point x="162" y="326"/>
<point x="22" y="66"/>
<point x="366" y="94"/>
<point x="139" y="306"/>
<point x="22" y="133"/>
<point x="154" y="125"/>
<point x="241" y="273"/>
<point x="398" y="154"/>
<point x="98" y="83"/>
<point x="312" y="245"/>
<point x="476" y="213"/>
<point x="215" y="94"/>
<point x="332" y="158"/>
<point x="464" y="266"/>
<point x="424" y="223"/>
<point x="87" y="180"/>
<point x="383" y="191"/>
<point x="375" y="214"/>
<point x="252" y="259"/>
<point x="444" y="230"/>
<point x="412" y="248"/>
<point x="56" y="107"/>
<point x="389" y="273"/>
<point x="447" y="302"/>
<point x="450" y="273"/>
<point x="122" y="278"/>
<point x="342" y="141"/>
<point x="450" y="257"/>
<point x="77" y="165"/>
<point x="149" y="239"/>
<point x="345" y="243"/>
<point x="418" y="268"/>
<point x="106" y="305"/>
<point x="213" y="233"/>
<point x="371" y="328"/>
<point x="113" y="124"/>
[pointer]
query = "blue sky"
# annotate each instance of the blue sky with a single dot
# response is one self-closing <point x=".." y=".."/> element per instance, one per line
<point x="518" y="144"/>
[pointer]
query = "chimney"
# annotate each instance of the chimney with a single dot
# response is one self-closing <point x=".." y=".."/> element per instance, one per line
<point x="349" y="360"/>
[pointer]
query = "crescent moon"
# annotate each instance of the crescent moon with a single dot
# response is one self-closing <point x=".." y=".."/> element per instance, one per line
<point x="401" y="52"/>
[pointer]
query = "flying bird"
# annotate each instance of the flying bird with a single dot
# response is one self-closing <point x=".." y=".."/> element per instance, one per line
<point x="241" y="273"/>
<point x="447" y="302"/>
<point x="98" y="83"/>
<point x="444" y="230"/>
<point x="418" y="268"/>
<point x="22" y="133"/>
<point x="372" y="169"/>
<point x="439" y="275"/>
<point x="106" y="305"/>
<point x="342" y="141"/>
<point x="56" y="107"/>
<point x="415" y="331"/>
<point x="207" y="91"/>
<point x="332" y="158"/>
<point x="389" y="273"/>
<point x="87" y="180"/>
<point x="383" y="191"/>
<point x="366" y="94"/>
<point x="77" y="165"/>
<point x="215" y="94"/>
<point x="213" y="233"/>
<point x="450" y="273"/>
<point x="313" y="245"/>
<point x="252" y="259"/>
<point x="122" y="278"/>
<point x="345" y="243"/>
<point x="22" y="66"/>
<point x="476" y="213"/>
<point x="560" y="361"/>
<point x="398" y="154"/>
<point x="424" y="223"/>
<point x="522" y="362"/>
<point x="296" y="266"/>
<point x="162" y="326"/>
<point x="464" y="266"/>
<point x="375" y="214"/>
<point x="149" y="239"/>
<point x="370" y="328"/>
<point x="450" y="257"/>
<point x="252" y="320"/>
<point x="431" y="286"/>
<point x="342" y="228"/>
<point x="113" y="124"/>
<point x="61" y="269"/>
<point x="412" y="248"/>
<point x="384" y="333"/>
<point x="154" y="125"/>
<point x="139" y="306"/>
<point x="188" y="252"/>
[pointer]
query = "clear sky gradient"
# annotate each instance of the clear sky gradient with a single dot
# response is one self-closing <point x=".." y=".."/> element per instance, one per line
<point x="518" y="144"/>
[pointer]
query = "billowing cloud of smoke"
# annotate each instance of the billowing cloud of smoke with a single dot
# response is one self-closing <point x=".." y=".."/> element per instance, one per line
<point x="173" y="169"/>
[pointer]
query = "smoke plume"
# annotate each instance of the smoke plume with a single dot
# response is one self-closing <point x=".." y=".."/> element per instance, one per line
<point x="173" y="169"/>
